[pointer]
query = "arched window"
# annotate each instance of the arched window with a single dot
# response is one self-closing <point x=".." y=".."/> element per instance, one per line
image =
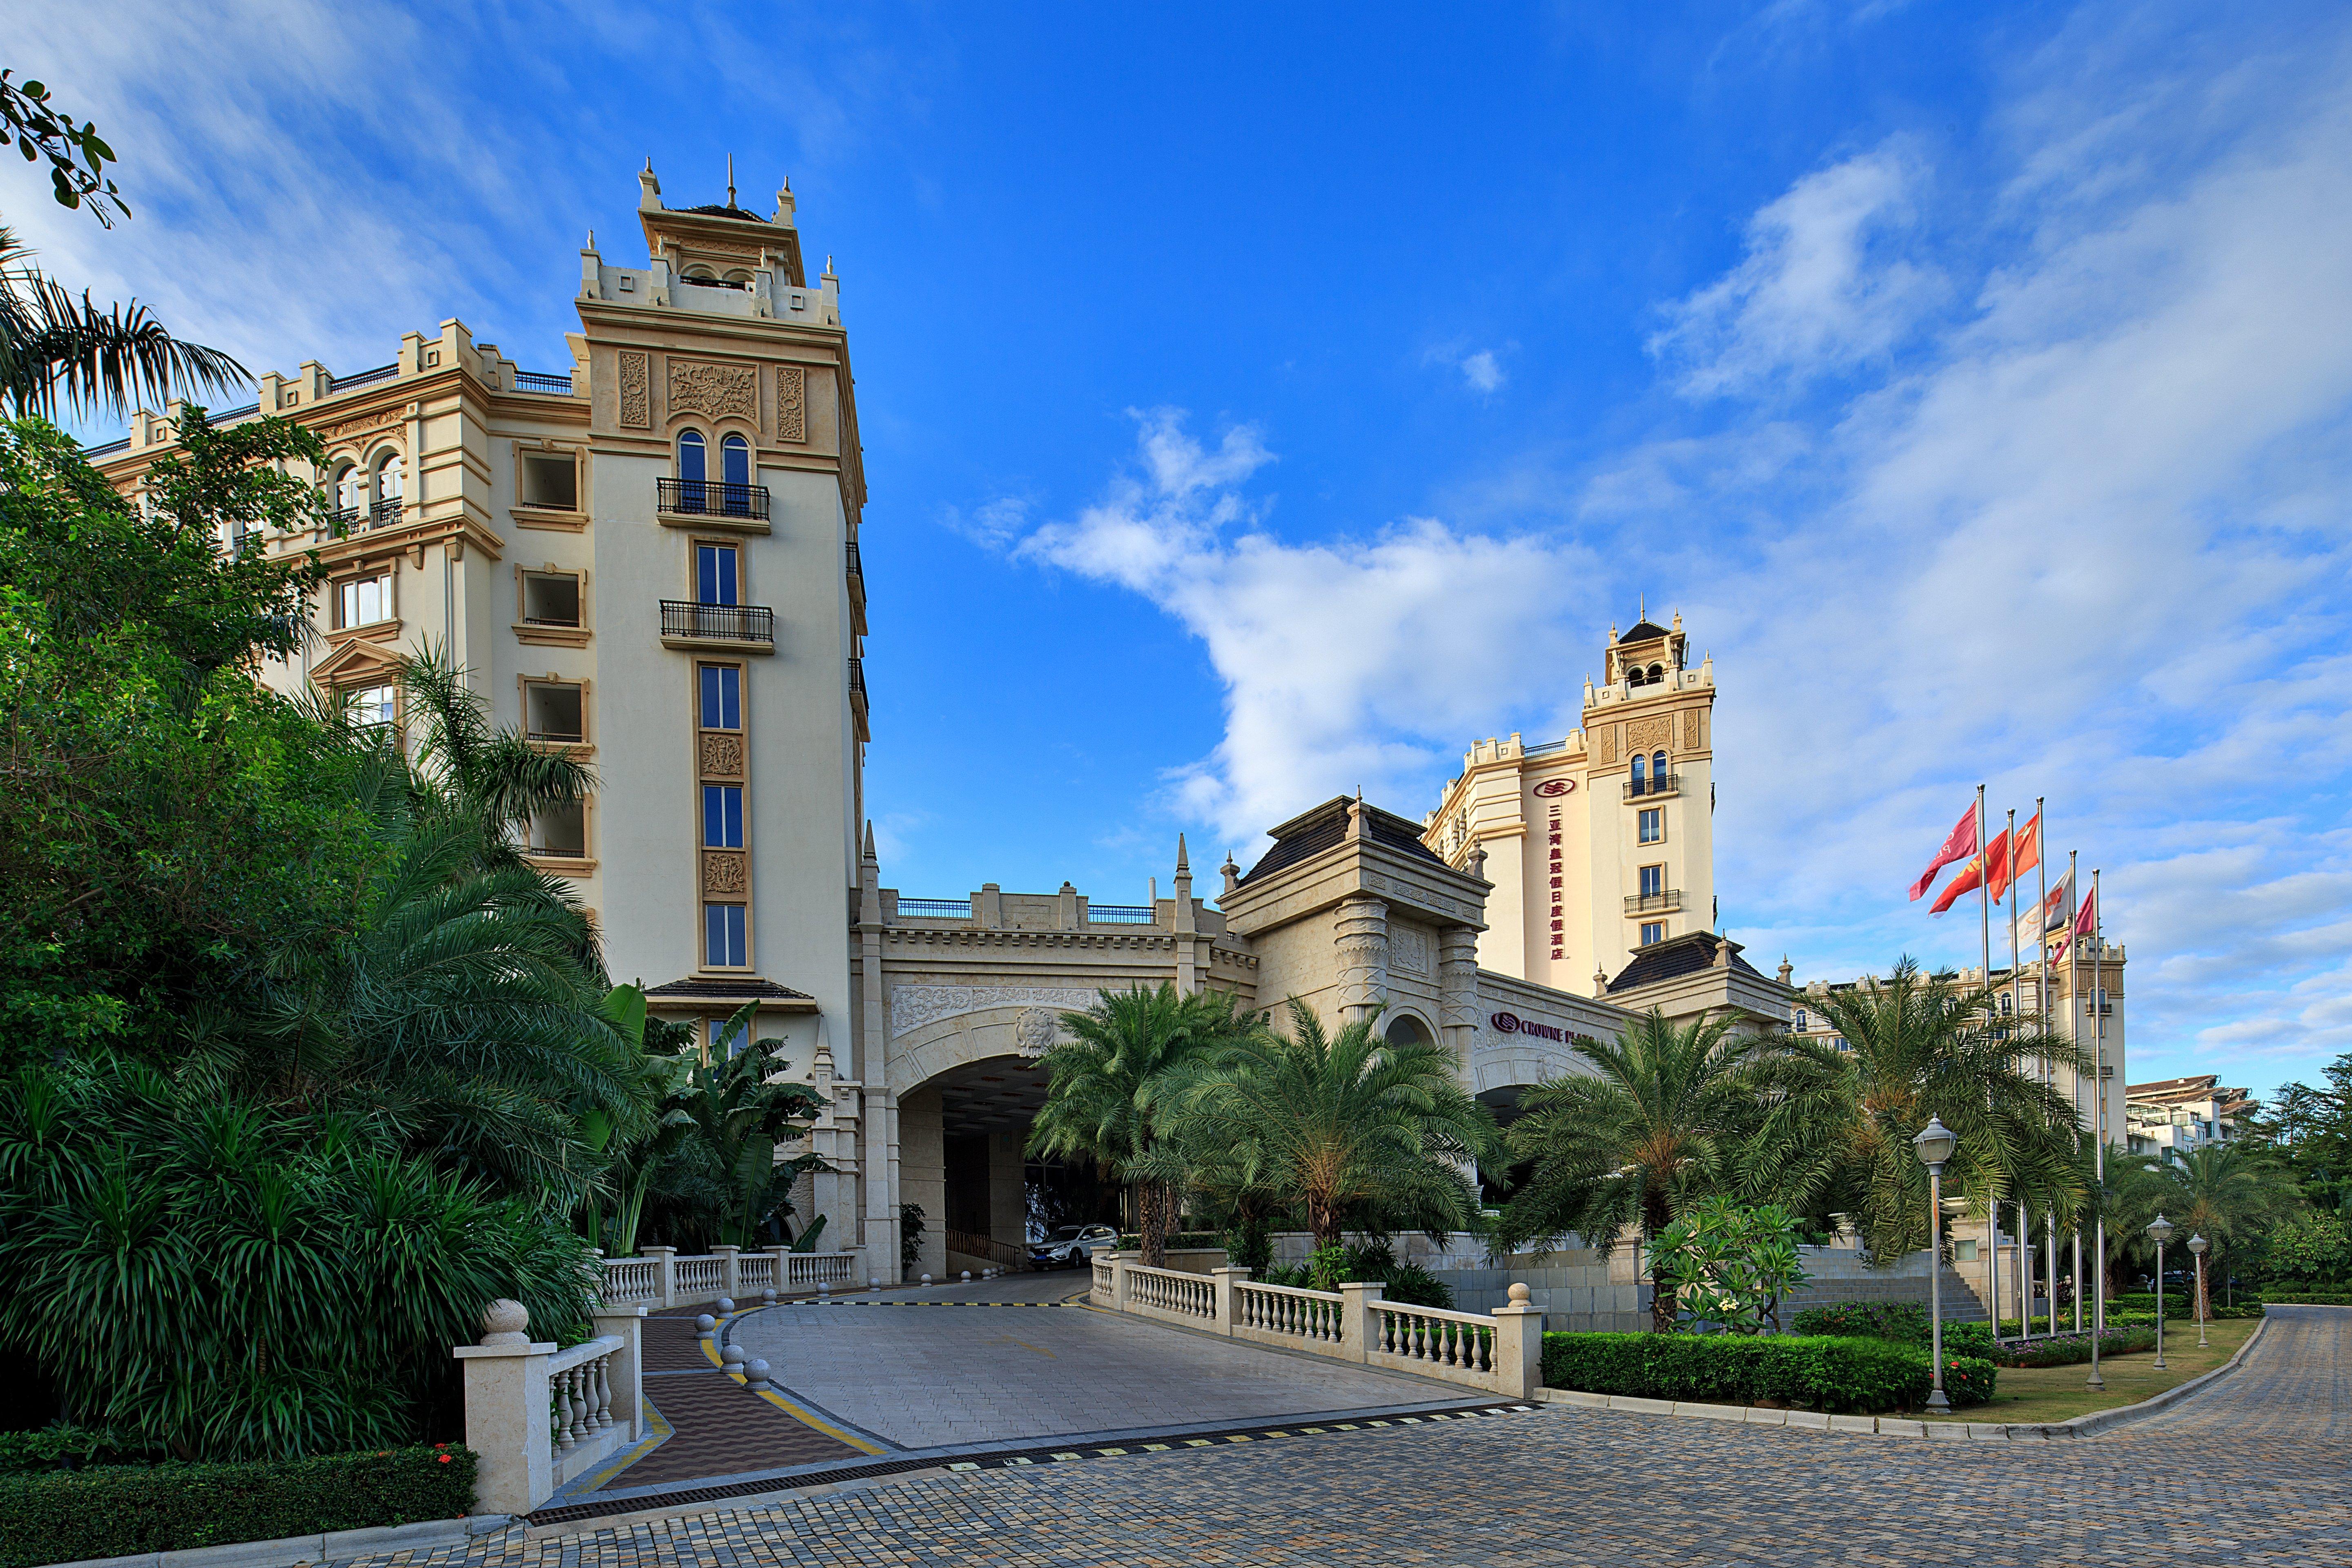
<point x="389" y="483"/>
<point x="735" y="460"/>
<point x="1657" y="673"/>
<point x="692" y="469"/>
<point x="1641" y="773"/>
<point x="1633" y="676"/>
<point x="351" y="488"/>
<point x="1658" y="770"/>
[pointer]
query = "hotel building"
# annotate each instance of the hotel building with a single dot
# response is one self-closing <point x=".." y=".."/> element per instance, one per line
<point x="649" y="558"/>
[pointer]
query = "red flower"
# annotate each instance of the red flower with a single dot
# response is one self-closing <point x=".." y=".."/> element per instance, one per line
<point x="445" y="1458"/>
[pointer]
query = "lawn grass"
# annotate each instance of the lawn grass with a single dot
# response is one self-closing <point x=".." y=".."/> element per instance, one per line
<point x="2036" y="1395"/>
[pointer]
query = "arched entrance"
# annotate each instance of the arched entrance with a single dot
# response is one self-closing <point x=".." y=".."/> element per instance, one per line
<point x="968" y="1086"/>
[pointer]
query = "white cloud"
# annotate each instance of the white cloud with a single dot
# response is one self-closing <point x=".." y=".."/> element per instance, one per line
<point x="1481" y="371"/>
<point x="1822" y="289"/>
<point x="1357" y="661"/>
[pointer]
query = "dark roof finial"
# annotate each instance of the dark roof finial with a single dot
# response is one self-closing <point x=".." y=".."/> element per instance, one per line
<point x="730" y="179"/>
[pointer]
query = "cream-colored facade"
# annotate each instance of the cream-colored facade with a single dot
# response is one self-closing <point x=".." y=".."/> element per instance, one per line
<point x="650" y="558"/>
<point x="1601" y="843"/>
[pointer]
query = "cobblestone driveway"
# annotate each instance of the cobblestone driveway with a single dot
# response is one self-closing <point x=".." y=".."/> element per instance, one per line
<point x="2250" y="1470"/>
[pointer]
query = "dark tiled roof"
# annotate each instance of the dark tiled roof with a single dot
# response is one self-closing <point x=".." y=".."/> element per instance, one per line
<point x="1643" y="631"/>
<point x="721" y="209"/>
<point x="744" y="990"/>
<point x="1677" y="956"/>
<point x="1326" y="826"/>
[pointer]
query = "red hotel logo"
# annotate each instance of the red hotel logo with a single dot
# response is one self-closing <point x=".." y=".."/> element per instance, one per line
<point x="1512" y="1024"/>
<point x="1550" y="787"/>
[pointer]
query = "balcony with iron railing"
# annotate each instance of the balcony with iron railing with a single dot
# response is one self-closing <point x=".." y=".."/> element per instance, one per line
<point x="749" y="629"/>
<point x="711" y="498"/>
<point x="935" y="909"/>
<point x="533" y="381"/>
<point x="1120" y="914"/>
<point x="1656" y="788"/>
<point x="1664" y="902"/>
<point x="858" y="702"/>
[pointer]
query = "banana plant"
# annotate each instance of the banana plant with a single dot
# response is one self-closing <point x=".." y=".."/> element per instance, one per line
<point x="744" y="1118"/>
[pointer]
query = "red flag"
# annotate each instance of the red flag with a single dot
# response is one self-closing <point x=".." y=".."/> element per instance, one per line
<point x="1961" y="840"/>
<point x="2028" y="856"/>
<point x="2087" y="921"/>
<point x="1973" y="872"/>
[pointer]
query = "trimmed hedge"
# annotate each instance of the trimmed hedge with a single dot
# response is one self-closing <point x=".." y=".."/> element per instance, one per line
<point x="1817" y="1371"/>
<point x="63" y="1447"/>
<point x="1898" y="1322"/>
<point x="62" y="1516"/>
<point x="2309" y="1297"/>
<point x="2072" y="1350"/>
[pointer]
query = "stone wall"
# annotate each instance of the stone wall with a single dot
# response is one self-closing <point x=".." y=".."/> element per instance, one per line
<point x="1840" y="1274"/>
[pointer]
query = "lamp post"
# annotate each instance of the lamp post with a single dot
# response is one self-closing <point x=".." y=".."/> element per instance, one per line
<point x="2200" y="1246"/>
<point x="2159" y="1230"/>
<point x="1936" y="1142"/>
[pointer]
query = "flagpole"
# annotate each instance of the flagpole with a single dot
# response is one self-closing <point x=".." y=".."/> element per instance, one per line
<point x="2024" y="1251"/>
<point x="1992" y="1197"/>
<point x="2099" y="1085"/>
<point x="2075" y="1073"/>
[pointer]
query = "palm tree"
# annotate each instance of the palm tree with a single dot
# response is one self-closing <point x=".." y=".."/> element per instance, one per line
<point x="741" y="1117"/>
<point x="2223" y="1193"/>
<point x="1109" y="1077"/>
<point x="1920" y="1048"/>
<point x="1656" y="1127"/>
<point x="1344" y="1127"/>
<point x="99" y="358"/>
<point x="465" y="763"/>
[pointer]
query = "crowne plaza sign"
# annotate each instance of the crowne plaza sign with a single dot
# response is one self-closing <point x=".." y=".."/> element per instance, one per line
<point x="1512" y="1024"/>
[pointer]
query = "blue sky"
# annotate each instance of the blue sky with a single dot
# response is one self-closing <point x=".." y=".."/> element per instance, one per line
<point x="1263" y="402"/>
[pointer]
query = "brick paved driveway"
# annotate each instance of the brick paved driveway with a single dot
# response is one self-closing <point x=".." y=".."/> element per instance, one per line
<point x="2250" y="1470"/>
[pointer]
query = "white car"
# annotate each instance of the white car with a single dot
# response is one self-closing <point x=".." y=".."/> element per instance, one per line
<point x="1072" y="1245"/>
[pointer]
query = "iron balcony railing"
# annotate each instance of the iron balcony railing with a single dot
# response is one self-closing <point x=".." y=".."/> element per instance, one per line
<point x="380" y="373"/>
<point x="343" y="519"/>
<point x="710" y="497"/>
<point x="1663" y="784"/>
<point x="718" y="622"/>
<point x="1663" y="903"/>
<point x="857" y="677"/>
<point x="936" y="909"/>
<point x="856" y="566"/>
<point x="384" y="514"/>
<point x="532" y="381"/>
<point x="1120" y="914"/>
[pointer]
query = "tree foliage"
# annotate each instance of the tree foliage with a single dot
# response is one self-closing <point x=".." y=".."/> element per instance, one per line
<point x="77" y="154"/>
<point x="1729" y="1265"/>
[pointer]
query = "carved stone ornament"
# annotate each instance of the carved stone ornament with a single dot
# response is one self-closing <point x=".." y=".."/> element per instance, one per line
<point x="1695" y="729"/>
<point x="365" y="426"/>
<point x="1650" y="734"/>
<point x="636" y="381"/>
<point x="723" y="755"/>
<point x="716" y="389"/>
<point x="791" y="403"/>
<point x="723" y="871"/>
<point x="913" y="1006"/>
<point x="1604" y="737"/>
<point x="1408" y="949"/>
<point x="506" y="1322"/>
<point x="1036" y="1031"/>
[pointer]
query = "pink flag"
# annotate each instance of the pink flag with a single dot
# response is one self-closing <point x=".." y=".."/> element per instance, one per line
<point x="1960" y="844"/>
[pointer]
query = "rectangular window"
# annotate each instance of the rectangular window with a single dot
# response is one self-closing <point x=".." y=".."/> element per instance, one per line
<point x="722" y="817"/>
<point x="1804" y="1020"/>
<point x="723" y="696"/>
<point x="714" y="567"/>
<point x="551" y="598"/>
<point x="561" y="831"/>
<point x="721" y="1045"/>
<point x="1652" y="823"/>
<point x="554" y="711"/>
<point x="363" y="601"/>
<point x="1653" y="933"/>
<point x="374" y="707"/>
<point x="723" y="945"/>
<point x="1654" y="880"/>
<point x="548" y="480"/>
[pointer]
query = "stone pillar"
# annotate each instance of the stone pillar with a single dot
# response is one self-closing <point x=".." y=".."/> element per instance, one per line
<point x="784" y="1267"/>
<point x="626" y="1370"/>
<point x="730" y="1274"/>
<point x="1228" y="1298"/>
<point x="1362" y="929"/>
<point x="665" y="1263"/>
<point x="1356" y="1319"/>
<point x="1118" y="1262"/>
<point x="1457" y="981"/>
<point x="507" y="1421"/>
<point x="1518" y="1346"/>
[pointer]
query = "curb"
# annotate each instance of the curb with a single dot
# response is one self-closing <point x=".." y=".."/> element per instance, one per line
<point x="333" y="1546"/>
<point x="1899" y="1426"/>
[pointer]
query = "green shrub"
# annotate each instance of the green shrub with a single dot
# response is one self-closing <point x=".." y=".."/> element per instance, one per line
<point x="2309" y="1298"/>
<point x="1899" y="1322"/>
<point x="114" y="1511"/>
<point x="2072" y="1350"/>
<point x="63" y="1447"/>
<point x="1815" y="1372"/>
<point x="1178" y="1240"/>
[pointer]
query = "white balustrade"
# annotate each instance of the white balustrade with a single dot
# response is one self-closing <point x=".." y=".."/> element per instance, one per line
<point x="810" y="1269"/>
<point x="756" y="1271"/>
<point x="631" y="1280"/>
<point x="701" y="1279"/>
<point x="1434" y="1337"/>
<point x="663" y="1279"/>
<point x="539" y="1417"/>
<point x="1169" y="1292"/>
<point x="1287" y="1312"/>
<point x="1106" y="1277"/>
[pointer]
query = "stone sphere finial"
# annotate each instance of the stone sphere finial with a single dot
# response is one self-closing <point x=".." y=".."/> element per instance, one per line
<point x="506" y="1322"/>
<point x="726" y="1304"/>
<point x="1518" y="1294"/>
<point x="756" y="1374"/>
<point x="706" y="1325"/>
<point x="731" y="1359"/>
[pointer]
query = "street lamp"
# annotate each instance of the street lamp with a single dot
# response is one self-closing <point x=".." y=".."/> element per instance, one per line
<point x="2200" y="1246"/>
<point x="2159" y="1230"/>
<point x="1936" y="1144"/>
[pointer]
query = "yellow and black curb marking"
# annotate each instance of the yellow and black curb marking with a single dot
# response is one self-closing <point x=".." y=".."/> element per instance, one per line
<point x="1227" y="1439"/>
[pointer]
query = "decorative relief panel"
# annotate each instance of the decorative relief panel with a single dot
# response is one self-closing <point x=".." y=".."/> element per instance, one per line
<point x="723" y="754"/>
<point x="1036" y="1030"/>
<point x="723" y="872"/>
<point x="367" y="425"/>
<point x="1408" y="949"/>
<point x="791" y="403"/>
<point x="696" y="387"/>
<point x="637" y="381"/>
<point x="912" y="1006"/>
<point x="1695" y="729"/>
<point x="1604" y="742"/>
<point x="1650" y="734"/>
<point x="1420" y="896"/>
